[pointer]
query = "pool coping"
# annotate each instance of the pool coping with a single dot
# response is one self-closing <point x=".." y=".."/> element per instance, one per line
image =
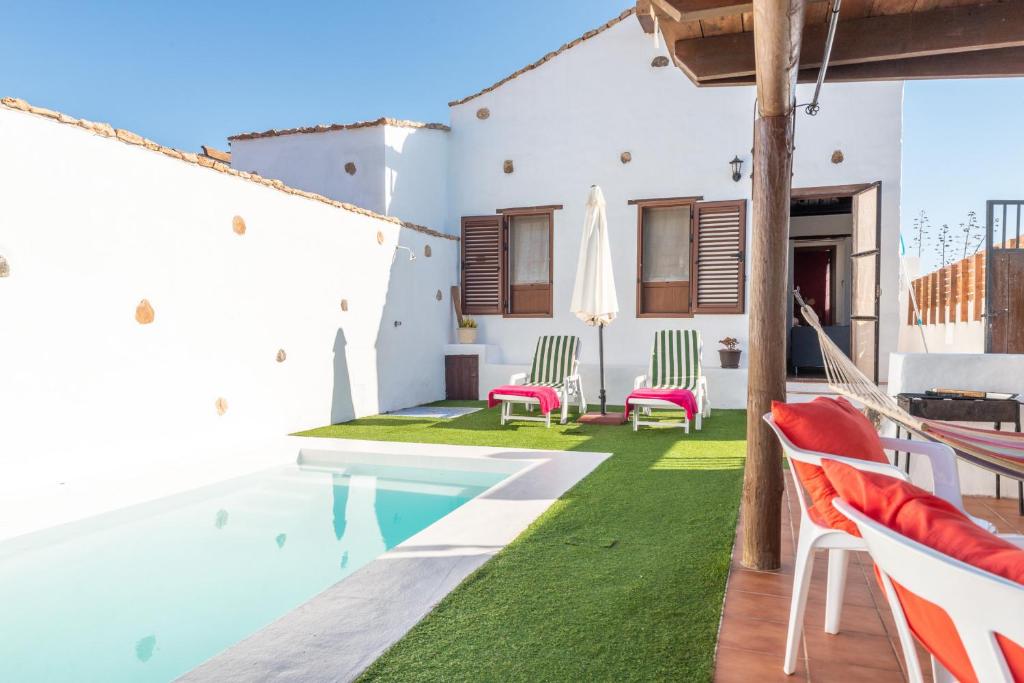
<point x="338" y="633"/>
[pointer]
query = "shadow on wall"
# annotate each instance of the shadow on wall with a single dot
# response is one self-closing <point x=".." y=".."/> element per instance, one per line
<point x="342" y="409"/>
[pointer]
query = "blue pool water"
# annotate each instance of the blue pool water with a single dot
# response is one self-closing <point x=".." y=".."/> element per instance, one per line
<point x="150" y="592"/>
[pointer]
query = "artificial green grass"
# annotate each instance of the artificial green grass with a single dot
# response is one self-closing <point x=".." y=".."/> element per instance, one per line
<point x="622" y="579"/>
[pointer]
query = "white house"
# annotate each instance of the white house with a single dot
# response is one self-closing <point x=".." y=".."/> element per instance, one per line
<point x="513" y="170"/>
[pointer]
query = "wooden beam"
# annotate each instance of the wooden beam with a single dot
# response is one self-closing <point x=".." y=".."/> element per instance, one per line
<point x="1004" y="62"/>
<point x="943" y="31"/>
<point x="778" y="26"/>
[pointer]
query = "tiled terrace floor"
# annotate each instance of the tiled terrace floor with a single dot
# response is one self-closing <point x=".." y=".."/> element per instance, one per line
<point x="752" y="641"/>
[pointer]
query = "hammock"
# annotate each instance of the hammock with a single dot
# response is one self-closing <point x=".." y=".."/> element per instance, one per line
<point x="1002" y="452"/>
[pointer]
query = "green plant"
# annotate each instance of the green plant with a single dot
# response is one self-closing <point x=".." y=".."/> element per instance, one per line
<point x="730" y="343"/>
<point x="467" y="323"/>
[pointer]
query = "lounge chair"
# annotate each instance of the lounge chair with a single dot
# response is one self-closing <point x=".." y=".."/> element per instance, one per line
<point x="555" y="364"/>
<point x="675" y="364"/>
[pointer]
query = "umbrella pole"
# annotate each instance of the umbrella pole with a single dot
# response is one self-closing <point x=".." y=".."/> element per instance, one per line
<point x="600" y="353"/>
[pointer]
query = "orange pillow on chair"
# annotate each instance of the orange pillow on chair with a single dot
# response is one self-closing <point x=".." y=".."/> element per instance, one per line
<point x="830" y="426"/>
<point x="934" y="522"/>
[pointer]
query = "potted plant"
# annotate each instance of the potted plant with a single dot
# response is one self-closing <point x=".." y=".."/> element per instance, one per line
<point x="467" y="330"/>
<point x="730" y="352"/>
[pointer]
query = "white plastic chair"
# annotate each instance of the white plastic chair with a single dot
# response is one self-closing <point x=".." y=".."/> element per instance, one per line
<point x="555" y="364"/>
<point x="978" y="603"/>
<point x="675" y="364"/>
<point x="814" y="536"/>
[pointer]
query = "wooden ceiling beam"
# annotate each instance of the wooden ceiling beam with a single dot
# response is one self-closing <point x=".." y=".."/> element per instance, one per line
<point x="1001" y="63"/>
<point x="875" y="39"/>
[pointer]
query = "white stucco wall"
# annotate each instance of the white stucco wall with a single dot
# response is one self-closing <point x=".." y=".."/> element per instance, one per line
<point x="564" y="125"/>
<point x="315" y="162"/>
<point x="91" y="226"/>
<point x="416" y="178"/>
<point x="400" y="171"/>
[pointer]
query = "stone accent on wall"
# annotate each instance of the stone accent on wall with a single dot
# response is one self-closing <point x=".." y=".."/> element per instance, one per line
<point x="626" y="157"/>
<point x="127" y="137"/>
<point x="221" y="404"/>
<point x="439" y="295"/>
<point x="344" y="304"/>
<point x="659" y="61"/>
<point x="483" y="113"/>
<point x="837" y="157"/>
<point x="144" y="313"/>
<point x="238" y="225"/>
<point x="5" y="268"/>
<point x="281" y="356"/>
<point x="508" y="166"/>
<point x="426" y="250"/>
<point x="380" y="237"/>
<point x="350" y="167"/>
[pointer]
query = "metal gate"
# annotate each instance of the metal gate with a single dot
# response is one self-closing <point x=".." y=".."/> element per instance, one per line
<point x="1004" y="276"/>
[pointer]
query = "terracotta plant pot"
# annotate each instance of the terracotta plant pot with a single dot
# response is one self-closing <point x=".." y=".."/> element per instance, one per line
<point x="730" y="357"/>
<point x="467" y="335"/>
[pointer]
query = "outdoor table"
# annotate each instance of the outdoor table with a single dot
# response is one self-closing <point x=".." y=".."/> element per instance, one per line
<point x="991" y="410"/>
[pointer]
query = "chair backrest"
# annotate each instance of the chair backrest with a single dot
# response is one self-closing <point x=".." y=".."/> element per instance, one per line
<point x="794" y="453"/>
<point x="555" y="358"/>
<point x="978" y="603"/>
<point x="675" y="358"/>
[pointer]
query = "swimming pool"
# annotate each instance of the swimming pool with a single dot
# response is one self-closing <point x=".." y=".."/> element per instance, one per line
<point x="150" y="592"/>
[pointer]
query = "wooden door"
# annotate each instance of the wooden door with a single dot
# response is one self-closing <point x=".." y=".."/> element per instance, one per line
<point x="865" y="262"/>
<point x="1004" y="289"/>
<point x="462" y="377"/>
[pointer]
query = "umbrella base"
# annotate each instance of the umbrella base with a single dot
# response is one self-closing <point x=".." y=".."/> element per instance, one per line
<point x="599" y="419"/>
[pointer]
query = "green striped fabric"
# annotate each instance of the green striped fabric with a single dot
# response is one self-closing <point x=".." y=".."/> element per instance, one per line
<point x="675" y="359"/>
<point x="553" y="360"/>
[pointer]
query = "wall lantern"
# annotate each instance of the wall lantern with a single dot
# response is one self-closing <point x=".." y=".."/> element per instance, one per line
<point x="737" y="167"/>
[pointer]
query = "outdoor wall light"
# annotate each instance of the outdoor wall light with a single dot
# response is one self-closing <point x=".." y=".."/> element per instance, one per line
<point x="737" y="168"/>
<point x="412" y="254"/>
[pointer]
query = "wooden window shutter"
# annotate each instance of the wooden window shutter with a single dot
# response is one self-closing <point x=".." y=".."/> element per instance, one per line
<point x="719" y="246"/>
<point x="482" y="265"/>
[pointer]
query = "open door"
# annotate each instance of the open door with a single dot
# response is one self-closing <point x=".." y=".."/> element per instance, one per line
<point x="865" y="262"/>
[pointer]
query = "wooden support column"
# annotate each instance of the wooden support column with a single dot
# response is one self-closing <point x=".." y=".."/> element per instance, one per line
<point x="778" y="25"/>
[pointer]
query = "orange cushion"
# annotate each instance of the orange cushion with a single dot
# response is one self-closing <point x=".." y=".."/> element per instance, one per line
<point x="931" y="521"/>
<point x="830" y="426"/>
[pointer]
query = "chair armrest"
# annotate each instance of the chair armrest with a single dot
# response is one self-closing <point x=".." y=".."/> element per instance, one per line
<point x="518" y="378"/>
<point x="640" y="381"/>
<point x="943" y="463"/>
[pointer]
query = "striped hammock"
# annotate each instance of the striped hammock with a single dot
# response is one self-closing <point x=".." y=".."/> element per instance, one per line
<point x="1002" y="452"/>
<point x="554" y="359"/>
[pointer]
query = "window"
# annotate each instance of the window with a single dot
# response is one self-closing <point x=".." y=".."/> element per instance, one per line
<point x="664" y="259"/>
<point x="689" y="257"/>
<point x="507" y="262"/>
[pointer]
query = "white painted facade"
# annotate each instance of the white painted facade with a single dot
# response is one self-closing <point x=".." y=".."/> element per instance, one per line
<point x="564" y="125"/>
<point x="92" y="225"/>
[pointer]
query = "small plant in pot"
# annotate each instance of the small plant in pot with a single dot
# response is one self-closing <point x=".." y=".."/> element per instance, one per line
<point x="730" y="352"/>
<point x="467" y="330"/>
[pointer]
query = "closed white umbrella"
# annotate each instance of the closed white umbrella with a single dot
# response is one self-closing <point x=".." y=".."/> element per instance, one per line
<point x="593" y="296"/>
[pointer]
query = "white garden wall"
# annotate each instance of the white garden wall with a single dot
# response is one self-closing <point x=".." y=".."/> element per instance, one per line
<point x="564" y="125"/>
<point x="92" y="225"/>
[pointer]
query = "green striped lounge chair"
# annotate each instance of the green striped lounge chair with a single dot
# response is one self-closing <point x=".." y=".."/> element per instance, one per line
<point x="675" y="364"/>
<point x="555" y="364"/>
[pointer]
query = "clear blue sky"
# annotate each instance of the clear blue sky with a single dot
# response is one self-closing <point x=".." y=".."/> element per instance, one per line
<point x="188" y="73"/>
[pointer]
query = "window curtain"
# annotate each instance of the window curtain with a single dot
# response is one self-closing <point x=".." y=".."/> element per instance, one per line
<point x="529" y="247"/>
<point x="666" y="244"/>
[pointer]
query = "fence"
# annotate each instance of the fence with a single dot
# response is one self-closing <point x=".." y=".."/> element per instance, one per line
<point x="955" y="293"/>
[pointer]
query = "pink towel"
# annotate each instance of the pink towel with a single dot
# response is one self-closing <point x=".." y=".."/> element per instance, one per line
<point x="683" y="398"/>
<point x="547" y="396"/>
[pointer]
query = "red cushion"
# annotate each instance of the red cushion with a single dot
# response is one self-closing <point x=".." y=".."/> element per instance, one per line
<point x="830" y="426"/>
<point x="933" y="522"/>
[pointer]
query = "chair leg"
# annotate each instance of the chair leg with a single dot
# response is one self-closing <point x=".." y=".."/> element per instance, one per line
<point x="697" y="419"/>
<point x="838" y="561"/>
<point x="503" y="412"/>
<point x="565" y="407"/>
<point x="801" y="585"/>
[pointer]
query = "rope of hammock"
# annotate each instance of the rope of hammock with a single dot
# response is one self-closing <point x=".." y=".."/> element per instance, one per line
<point x="979" y="446"/>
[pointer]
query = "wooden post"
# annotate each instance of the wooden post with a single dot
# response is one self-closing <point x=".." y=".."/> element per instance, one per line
<point x="979" y="285"/>
<point x="964" y="288"/>
<point x="954" y="290"/>
<point x="778" y="25"/>
<point x="940" y="278"/>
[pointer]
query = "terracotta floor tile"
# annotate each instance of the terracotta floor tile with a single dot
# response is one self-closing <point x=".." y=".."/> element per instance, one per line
<point x="751" y="634"/>
<point x="743" y="666"/>
<point x="854" y="618"/>
<point x="850" y="647"/>
<point x="826" y="670"/>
